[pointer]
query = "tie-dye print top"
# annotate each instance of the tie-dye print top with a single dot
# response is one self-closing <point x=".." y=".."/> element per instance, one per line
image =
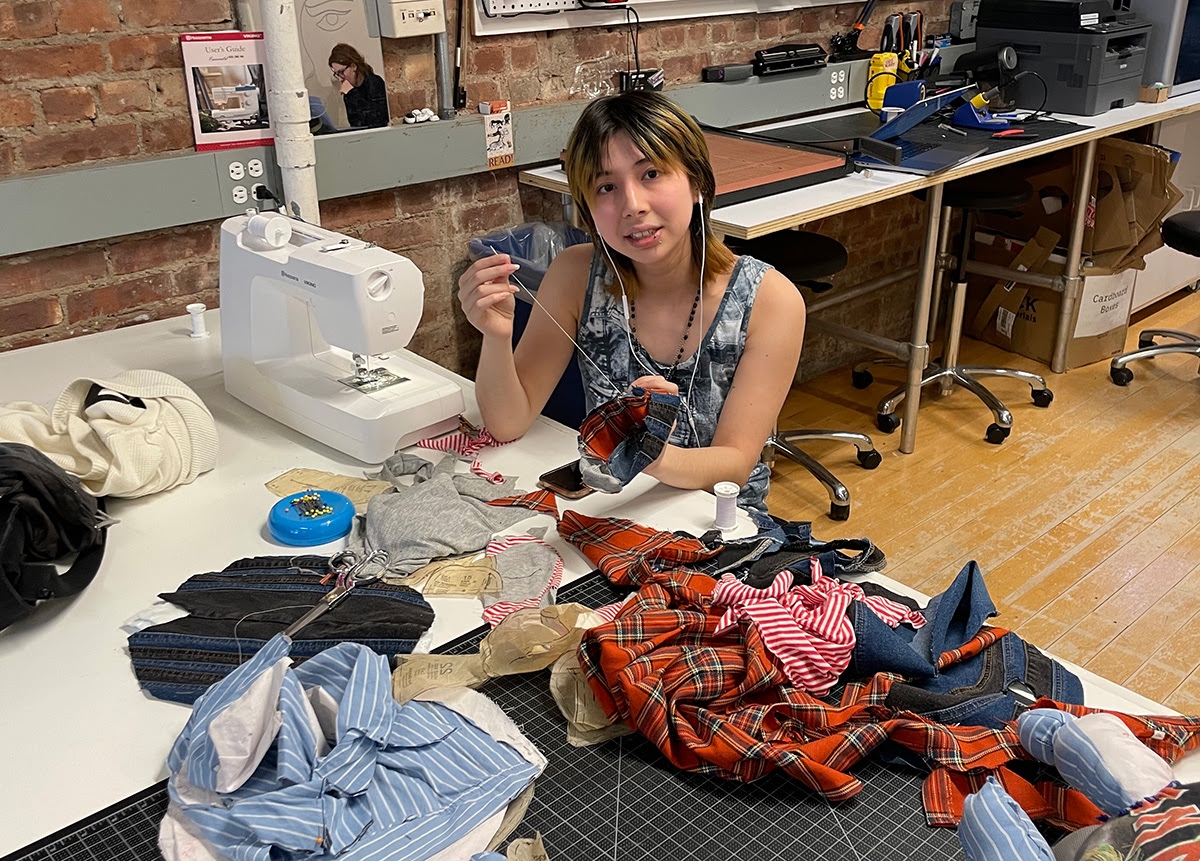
<point x="604" y="339"/>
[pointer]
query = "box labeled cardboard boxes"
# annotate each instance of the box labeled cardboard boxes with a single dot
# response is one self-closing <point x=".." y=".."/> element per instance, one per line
<point x="1131" y="193"/>
<point x="1024" y="319"/>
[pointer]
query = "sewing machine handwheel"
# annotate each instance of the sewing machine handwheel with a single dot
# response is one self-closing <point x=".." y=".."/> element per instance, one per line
<point x="310" y="518"/>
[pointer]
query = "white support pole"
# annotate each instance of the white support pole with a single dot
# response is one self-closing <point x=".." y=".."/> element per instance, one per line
<point x="287" y="99"/>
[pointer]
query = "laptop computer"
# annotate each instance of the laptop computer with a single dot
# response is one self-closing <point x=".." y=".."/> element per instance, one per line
<point x="920" y="157"/>
<point x="883" y="147"/>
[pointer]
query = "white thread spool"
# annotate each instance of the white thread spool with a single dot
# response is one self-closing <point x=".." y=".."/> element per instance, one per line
<point x="196" y="312"/>
<point x="272" y="231"/>
<point x="726" y="493"/>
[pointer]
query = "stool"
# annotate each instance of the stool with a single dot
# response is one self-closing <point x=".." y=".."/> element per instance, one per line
<point x="1181" y="232"/>
<point x="985" y="192"/>
<point x="805" y="258"/>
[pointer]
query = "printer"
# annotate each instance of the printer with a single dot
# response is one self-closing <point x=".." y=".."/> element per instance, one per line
<point x="1089" y="55"/>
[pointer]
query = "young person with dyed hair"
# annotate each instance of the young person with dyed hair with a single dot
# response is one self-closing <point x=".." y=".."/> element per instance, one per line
<point x="656" y="301"/>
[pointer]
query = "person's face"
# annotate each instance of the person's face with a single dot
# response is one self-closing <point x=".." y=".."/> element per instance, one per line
<point x="343" y="73"/>
<point x="641" y="210"/>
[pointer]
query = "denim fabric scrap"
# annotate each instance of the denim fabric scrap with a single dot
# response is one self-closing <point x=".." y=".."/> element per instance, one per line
<point x="234" y="612"/>
<point x="789" y="545"/>
<point x="990" y="689"/>
<point x="623" y="436"/>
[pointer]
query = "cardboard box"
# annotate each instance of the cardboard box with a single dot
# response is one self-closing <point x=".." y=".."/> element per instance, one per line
<point x="1153" y="94"/>
<point x="1024" y="319"/>
<point x="1131" y="192"/>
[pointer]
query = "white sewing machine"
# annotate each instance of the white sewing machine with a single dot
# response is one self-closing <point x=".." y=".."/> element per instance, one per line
<point x="241" y="102"/>
<point x="289" y="291"/>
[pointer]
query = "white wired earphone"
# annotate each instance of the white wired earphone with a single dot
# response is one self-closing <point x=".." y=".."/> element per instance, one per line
<point x="629" y="325"/>
<point x="684" y="400"/>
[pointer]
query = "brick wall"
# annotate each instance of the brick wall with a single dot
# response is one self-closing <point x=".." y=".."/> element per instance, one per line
<point x="86" y="81"/>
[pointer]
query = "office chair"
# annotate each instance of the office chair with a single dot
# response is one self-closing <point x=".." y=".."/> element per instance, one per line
<point x="807" y="259"/>
<point x="986" y="192"/>
<point x="1181" y="232"/>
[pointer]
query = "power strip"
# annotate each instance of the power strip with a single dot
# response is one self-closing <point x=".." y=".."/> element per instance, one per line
<point x="515" y="7"/>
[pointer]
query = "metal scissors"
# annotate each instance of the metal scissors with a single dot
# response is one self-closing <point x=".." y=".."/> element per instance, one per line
<point x="350" y="572"/>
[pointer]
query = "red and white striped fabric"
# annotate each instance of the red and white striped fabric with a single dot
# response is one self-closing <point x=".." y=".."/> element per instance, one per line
<point x="493" y="614"/>
<point x="805" y="627"/>
<point x="462" y="443"/>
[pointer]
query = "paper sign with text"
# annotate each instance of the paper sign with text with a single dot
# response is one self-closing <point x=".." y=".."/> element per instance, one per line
<point x="227" y="89"/>
<point x="498" y="139"/>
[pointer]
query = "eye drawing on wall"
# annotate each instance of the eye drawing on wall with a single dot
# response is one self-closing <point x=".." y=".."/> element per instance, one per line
<point x="328" y="15"/>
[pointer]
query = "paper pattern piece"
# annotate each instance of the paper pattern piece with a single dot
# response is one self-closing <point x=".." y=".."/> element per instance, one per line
<point x="359" y="490"/>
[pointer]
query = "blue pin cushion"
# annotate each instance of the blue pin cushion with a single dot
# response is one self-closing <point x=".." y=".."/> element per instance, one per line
<point x="311" y="517"/>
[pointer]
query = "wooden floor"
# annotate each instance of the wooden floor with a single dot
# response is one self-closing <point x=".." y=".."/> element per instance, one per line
<point x="1085" y="522"/>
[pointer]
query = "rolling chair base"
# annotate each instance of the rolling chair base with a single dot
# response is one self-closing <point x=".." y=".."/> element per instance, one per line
<point x="1148" y="348"/>
<point x="964" y="376"/>
<point x="783" y="442"/>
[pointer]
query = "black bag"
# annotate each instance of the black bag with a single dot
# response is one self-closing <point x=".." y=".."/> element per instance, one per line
<point x="45" y="515"/>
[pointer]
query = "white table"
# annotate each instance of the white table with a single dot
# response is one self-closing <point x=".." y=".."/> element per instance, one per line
<point x="79" y="733"/>
<point x="795" y="208"/>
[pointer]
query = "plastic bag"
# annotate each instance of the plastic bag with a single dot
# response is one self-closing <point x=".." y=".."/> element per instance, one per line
<point x="532" y="246"/>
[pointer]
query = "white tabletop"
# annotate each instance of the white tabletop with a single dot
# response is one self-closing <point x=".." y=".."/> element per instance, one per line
<point x="793" y="208"/>
<point x="79" y="733"/>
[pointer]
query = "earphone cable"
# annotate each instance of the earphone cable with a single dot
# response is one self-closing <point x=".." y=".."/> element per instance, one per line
<point x="533" y="296"/>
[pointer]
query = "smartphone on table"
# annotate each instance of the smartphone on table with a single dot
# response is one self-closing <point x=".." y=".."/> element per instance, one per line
<point x="565" y="481"/>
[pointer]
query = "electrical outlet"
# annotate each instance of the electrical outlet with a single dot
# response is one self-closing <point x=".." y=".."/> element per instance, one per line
<point x="240" y="171"/>
<point x="401" y="18"/>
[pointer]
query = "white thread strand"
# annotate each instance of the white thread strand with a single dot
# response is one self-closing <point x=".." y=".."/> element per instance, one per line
<point x="533" y="296"/>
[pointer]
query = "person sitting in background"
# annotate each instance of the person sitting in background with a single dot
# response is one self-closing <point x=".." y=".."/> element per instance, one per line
<point x="656" y="302"/>
<point x="363" y="91"/>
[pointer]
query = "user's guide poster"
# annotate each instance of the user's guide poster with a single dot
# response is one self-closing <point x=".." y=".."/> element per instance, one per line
<point x="227" y="89"/>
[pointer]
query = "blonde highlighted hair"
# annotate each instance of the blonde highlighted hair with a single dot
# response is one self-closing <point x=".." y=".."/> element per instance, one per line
<point x="672" y="140"/>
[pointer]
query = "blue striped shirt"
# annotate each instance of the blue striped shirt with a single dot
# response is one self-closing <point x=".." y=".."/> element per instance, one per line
<point x="398" y="783"/>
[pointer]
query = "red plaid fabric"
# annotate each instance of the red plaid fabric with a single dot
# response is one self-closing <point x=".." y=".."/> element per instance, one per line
<point x="542" y="501"/>
<point x="722" y="705"/>
<point x="610" y="423"/>
<point x="630" y="554"/>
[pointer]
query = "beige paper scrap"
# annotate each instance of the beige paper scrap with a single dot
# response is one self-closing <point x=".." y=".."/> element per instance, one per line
<point x="415" y="674"/>
<point x="527" y="849"/>
<point x="464" y="576"/>
<point x="360" y="490"/>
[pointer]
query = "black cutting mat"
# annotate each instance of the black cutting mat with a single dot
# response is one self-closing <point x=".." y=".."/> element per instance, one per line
<point x="127" y="831"/>
<point x="620" y="800"/>
<point x="864" y="123"/>
<point x="623" y="800"/>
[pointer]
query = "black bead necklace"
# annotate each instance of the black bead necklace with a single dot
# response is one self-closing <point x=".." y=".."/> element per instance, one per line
<point x="682" y="341"/>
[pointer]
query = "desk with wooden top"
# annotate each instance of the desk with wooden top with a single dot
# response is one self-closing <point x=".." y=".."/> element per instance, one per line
<point x="798" y="207"/>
